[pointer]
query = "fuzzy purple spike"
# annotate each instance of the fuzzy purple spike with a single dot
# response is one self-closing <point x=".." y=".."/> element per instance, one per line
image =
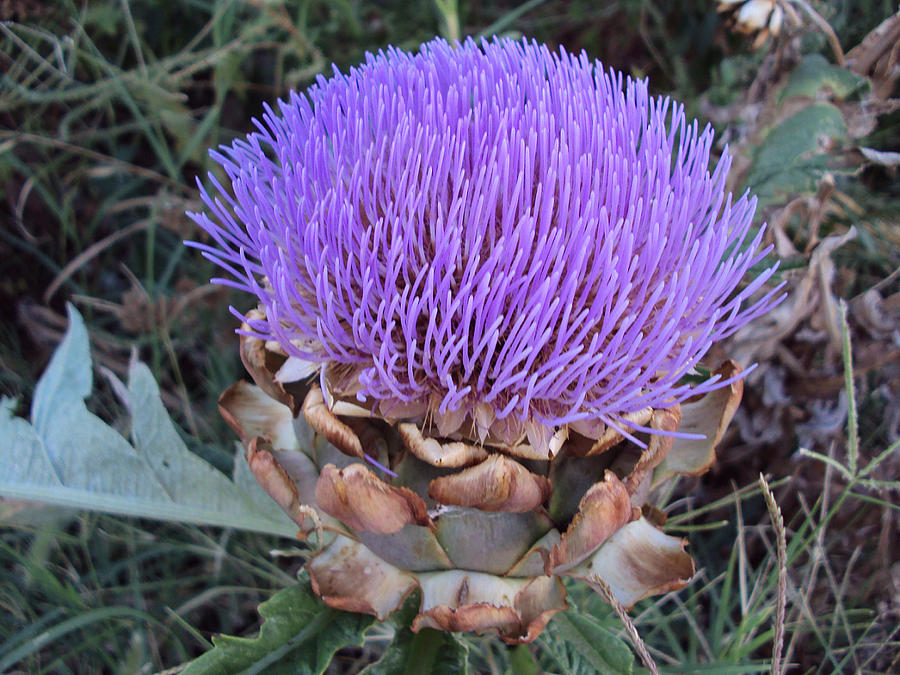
<point x="489" y="223"/>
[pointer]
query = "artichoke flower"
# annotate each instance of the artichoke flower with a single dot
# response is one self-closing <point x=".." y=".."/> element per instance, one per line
<point x="485" y="275"/>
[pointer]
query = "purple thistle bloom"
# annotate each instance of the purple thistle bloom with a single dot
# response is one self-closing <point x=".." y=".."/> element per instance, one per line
<point x="489" y="223"/>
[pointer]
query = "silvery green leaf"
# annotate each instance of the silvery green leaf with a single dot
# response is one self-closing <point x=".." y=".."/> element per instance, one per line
<point x="70" y="457"/>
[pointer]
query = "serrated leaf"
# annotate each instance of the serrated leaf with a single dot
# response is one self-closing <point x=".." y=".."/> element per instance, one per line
<point x="582" y="645"/>
<point x="299" y="635"/>
<point x="70" y="457"/>
<point x="428" y="652"/>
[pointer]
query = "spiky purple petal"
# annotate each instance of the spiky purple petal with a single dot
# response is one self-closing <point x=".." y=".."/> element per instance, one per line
<point x="489" y="223"/>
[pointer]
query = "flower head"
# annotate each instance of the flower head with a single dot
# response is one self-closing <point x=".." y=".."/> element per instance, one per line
<point x="474" y="245"/>
<point x="491" y="229"/>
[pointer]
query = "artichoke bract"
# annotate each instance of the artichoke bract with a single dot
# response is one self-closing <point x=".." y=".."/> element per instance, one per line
<point x="485" y="275"/>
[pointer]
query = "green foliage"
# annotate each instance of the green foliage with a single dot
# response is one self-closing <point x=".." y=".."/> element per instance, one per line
<point x="428" y="652"/>
<point x="299" y="634"/>
<point x="522" y="661"/>
<point x="99" y="593"/>
<point x="814" y="74"/>
<point x="70" y="457"/>
<point x="793" y="156"/>
<point x="577" y="643"/>
<point x="808" y="129"/>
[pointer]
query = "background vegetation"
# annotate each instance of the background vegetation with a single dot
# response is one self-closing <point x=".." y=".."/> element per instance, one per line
<point x="107" y="109"/>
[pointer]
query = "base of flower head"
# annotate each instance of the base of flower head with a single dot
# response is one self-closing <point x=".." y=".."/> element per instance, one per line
<point x="348" y="576"/>
<point x="484" y="534"/>
<point x="637" y="561"/>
